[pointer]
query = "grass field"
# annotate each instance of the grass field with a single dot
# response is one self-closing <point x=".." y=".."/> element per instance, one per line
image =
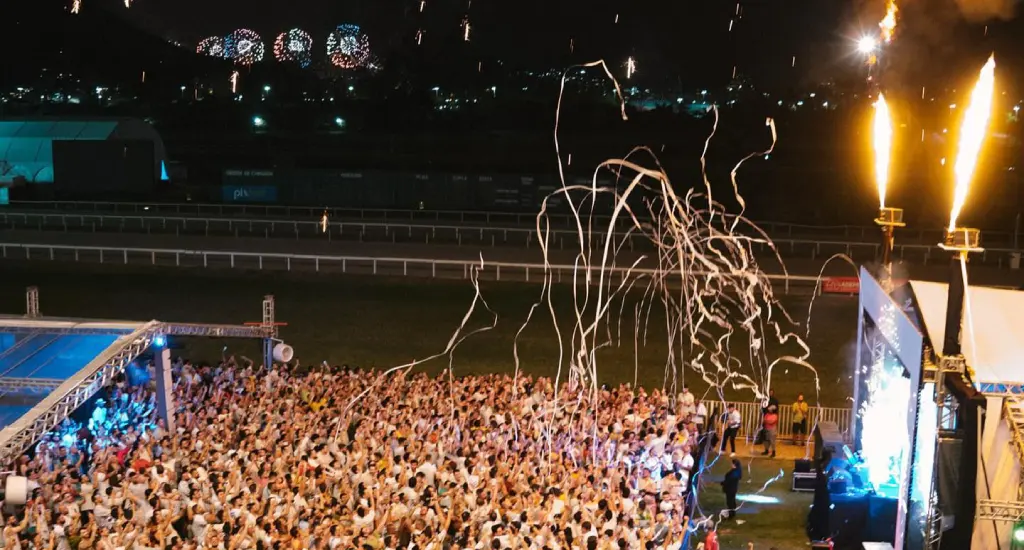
<point x="384" y="322"/>
<point x="767" y="524"/>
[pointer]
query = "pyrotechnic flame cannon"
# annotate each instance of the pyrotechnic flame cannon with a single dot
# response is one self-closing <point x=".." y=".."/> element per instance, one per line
<point x="962" y="242"/>
<point x="888" y="219"/>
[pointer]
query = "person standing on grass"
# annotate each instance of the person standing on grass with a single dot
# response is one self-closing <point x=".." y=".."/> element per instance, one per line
<point x="731" y="485"/>
<point x="800" y="413"/>
<point x="771" y="431"/>
<point x="772" y="402"/>
<point x="732" y="427"/>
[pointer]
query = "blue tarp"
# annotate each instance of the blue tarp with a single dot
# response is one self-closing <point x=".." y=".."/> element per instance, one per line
<point x="51" y="355"/>
<point x="10" y="413"/>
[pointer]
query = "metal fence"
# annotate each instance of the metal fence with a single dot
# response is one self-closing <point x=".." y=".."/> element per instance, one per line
<point x="751" y="415"/>
<point x="924" y="237"/>
<point x="440" y="233"/>
<point x="355" y="265"/>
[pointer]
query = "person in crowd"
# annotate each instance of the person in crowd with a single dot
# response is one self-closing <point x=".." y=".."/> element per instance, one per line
<point x="292" y="458"/>
<point x="731" y="486"/>
<point x="771" y="402"/>
<point x="700" y="416"/>
<point x="800" y="414"/>
<point x="685" y="402"/>
<point x="733" y="420"/>
<point x="771" y="431"/>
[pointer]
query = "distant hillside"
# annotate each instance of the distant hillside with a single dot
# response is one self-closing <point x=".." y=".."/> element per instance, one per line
<point x="95" y="44"/>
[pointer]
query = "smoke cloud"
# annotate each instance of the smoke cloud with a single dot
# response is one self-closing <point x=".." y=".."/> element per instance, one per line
<point x="977" y="11"/>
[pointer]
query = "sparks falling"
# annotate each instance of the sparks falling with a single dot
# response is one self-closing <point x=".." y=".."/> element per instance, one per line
<point x="630" y="67"/>
<point x="76" y="6"/>
<point x="465" y="29"/>
<point x="127" y="3"/>
<point x="888" y="23"/>
<point x="972" y="134"/>
<point x="423" y="4"/>
<point x="883" y="147"/>
<point x="234" y="82"/>
<point x="419" y="37"/>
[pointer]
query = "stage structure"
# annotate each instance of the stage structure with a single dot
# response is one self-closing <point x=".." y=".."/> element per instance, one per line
<point x="50" y="366"/>
<point x="962" y="409"/>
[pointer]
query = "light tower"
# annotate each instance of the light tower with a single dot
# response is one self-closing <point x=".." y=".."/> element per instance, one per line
<point x="955" y="401"/>
<point x="888" y="219"/>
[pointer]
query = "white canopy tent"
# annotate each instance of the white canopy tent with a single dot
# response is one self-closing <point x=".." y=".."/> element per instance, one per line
<point x="992" y="344"/>
<point x="993" y="334"/>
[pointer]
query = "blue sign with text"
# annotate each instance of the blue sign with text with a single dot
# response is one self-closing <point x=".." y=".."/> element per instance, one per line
<point x="250" y="193"/>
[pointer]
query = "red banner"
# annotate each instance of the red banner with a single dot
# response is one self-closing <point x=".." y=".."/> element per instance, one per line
<point x="840" y="285"/>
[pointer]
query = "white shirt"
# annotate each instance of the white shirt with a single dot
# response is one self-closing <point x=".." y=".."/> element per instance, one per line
<point x="734" y="419"/>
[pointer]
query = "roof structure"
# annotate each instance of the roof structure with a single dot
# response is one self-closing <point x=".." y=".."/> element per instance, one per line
<point x="26" y="146"/>
<point x="993" y="333"/>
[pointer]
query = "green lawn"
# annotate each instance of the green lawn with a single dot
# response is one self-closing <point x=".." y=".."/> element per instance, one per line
<point x="382" y="322"/>
<point x="385" y="321"/>
<point x="767" y="525"/>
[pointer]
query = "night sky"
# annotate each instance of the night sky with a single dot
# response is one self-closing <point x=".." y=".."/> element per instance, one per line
<point x="938" y="41"/>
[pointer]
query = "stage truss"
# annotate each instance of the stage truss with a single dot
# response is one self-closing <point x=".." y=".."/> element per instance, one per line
<point x="67" y="395"/>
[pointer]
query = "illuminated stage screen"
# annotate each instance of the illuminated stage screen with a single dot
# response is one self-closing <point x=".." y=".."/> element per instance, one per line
<point x="884" y="446"/>
<point x="894" y="445"/>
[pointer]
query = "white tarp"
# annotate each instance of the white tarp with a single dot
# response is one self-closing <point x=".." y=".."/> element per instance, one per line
<point x="992" y="340"/>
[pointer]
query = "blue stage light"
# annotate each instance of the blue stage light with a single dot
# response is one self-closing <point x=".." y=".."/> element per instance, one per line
<point x="159" y="341"/>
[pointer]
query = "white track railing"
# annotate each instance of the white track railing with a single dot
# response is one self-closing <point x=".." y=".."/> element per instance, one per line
<point x="925" y="237"/>
<point x="357" y="265"/>
<point x="426" y="232"/>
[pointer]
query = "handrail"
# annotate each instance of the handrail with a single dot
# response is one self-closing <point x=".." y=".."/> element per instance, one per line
<point x="750" y="414"/>
<point x="435" y="214"/>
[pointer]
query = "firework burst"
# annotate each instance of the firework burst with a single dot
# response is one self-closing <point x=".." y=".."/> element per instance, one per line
<point x="294" y="46"/>
<point x="348" y="47"/>
<point x="212" y="46"/>
<point x="245" y="47"/>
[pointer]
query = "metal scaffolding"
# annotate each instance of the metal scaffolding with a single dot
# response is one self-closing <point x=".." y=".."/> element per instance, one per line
<point x="16" y="438"/>
<point x="32" y="302"/>
<point x="67" y="395"/>
<point x="10" y="384"/>
<point x="1000" y="510"/>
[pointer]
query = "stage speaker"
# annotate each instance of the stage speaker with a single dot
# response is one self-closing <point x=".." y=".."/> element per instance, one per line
<point x="881" y="527"/>
<point x="16" y="493"/>
<point x="847" y="519"/>
<point x="803" y="476"/>
<point x="283" y="353"/>
<point x="948" y="464"/>
<point x="827" y="436"/>
<point x="804" y="482"/>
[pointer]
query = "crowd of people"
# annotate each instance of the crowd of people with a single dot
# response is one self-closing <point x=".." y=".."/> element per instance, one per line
<point x="340" y="459"/>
